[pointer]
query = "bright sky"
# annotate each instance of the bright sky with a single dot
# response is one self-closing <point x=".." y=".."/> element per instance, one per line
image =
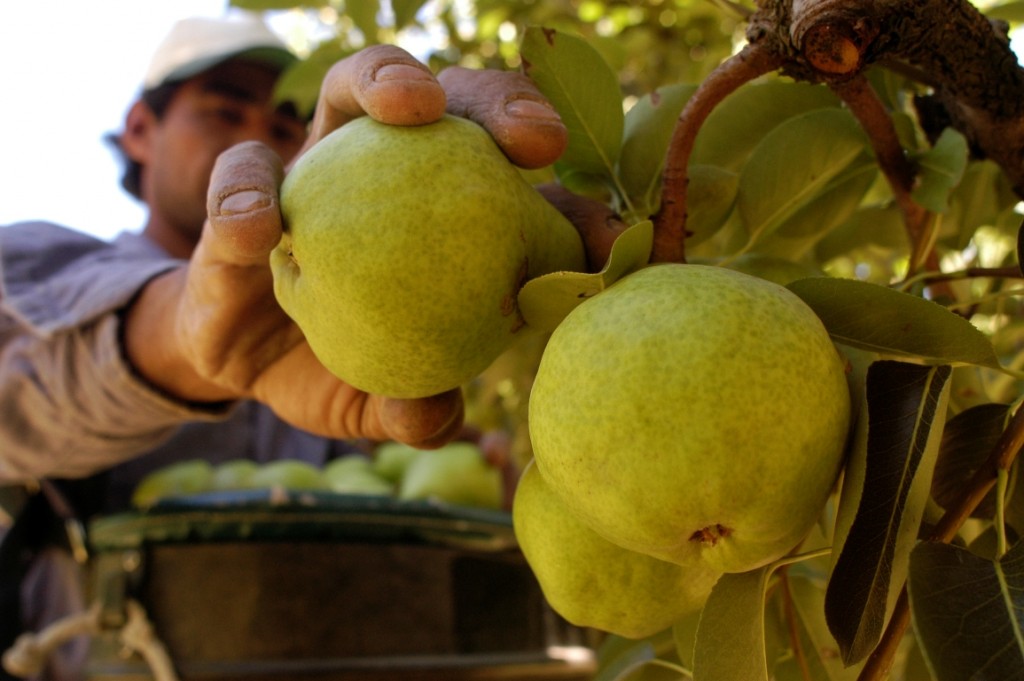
<point x="71" y="69"/>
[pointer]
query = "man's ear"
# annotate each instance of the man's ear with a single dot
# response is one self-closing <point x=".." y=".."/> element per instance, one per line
<point x="136" y="140"/>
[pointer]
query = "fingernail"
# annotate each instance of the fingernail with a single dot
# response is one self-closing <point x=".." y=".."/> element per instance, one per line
<point x="530" y="108"/>
<point x="400" y="72"/>
<point x="244" y="201"/>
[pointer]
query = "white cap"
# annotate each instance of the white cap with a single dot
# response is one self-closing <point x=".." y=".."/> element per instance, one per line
<point x="200" y="43"/>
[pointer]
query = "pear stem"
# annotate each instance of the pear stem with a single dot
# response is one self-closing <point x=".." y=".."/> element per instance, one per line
<point x="670" y="221"/>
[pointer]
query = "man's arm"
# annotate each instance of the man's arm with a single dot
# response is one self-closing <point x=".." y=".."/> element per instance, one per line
<point x="70" y="401"/>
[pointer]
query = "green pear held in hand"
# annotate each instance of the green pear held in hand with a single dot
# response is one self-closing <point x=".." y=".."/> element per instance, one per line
<point x="404" y="251"/>
<point x="693" y="413"/>
<point x="592" y="582"/>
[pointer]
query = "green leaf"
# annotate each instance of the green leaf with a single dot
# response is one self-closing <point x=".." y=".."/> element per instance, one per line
<point x="940" y="170"/>
<point x="652" y="658"/>
<point x="871" y="225"/>
<point x="837" y="201"/>
<point x="363" y="14"/>
<point x="684" y="636"/>
<point x="584" y="91"/>
<point x="405" y="11"/>
<point x="625" y="661"/>
<point x="264" y="5"/>
<point x="793" y="164"/>
<point x="968" y="612"/>
<point x="300" y="83"/>
<point x="744" y="118"/>
<point x="1009" y="11"/>
<point x="817" y="647"/>
<point x="710" y="201"/>
<point x="546" y="300"/>
<point x="982" y="194"/>
<point x="884" y="494"/>
<point x="968" y="440"/>
<point x="648" y="130"/>
<point x="916" y="668"/>
<point x="890" y="322"/>
<point x="828" y="211"/>
<point x="730" y="634"/>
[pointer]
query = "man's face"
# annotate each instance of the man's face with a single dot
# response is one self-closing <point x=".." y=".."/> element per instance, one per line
<point x="208" y="114"/>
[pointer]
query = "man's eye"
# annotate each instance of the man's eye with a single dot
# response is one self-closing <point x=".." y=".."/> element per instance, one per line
<point x="288" y="133"/>
<point x="229" y="115"/>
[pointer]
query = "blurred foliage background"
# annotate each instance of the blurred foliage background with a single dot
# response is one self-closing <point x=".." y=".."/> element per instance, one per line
<point x="647" y="42"/>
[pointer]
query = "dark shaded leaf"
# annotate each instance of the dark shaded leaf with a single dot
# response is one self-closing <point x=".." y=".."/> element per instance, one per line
<point x="967" y="442"/>
<point x="884" y="320"/>
<point x="584" y="91"/>
<point x="731" y="633"/>
<point x="969" y="612"/>
<point x="884" y="494"/>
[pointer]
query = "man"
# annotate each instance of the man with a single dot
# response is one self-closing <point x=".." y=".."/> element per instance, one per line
<point x="118" y="358"/>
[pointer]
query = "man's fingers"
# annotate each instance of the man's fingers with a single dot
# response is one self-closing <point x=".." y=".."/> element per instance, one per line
<point x="382" y="81"/>
<point x="425" y="423"/>
<point x="244" y="218"/>
<point x="512" y="109"/>
<point x="598" y="225"/>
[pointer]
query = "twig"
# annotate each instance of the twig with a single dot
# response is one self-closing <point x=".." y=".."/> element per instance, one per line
<point x="792" y="626"/>
<point x="865" y="105"/>
<point x="927" y="278"/>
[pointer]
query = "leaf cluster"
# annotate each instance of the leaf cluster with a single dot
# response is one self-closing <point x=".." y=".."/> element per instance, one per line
<point x="782" y="169"/>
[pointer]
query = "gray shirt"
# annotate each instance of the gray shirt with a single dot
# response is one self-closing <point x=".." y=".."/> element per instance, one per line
<point x="70" y="403"/>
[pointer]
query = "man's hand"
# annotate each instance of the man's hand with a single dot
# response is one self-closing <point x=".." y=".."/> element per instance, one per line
<point x="213" y="330"/>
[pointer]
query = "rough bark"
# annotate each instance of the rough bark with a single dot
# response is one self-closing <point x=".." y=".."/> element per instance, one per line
<point x="947" y="45"/>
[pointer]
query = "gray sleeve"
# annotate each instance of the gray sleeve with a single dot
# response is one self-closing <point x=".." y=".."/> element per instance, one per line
<point x="71" y="403"/>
